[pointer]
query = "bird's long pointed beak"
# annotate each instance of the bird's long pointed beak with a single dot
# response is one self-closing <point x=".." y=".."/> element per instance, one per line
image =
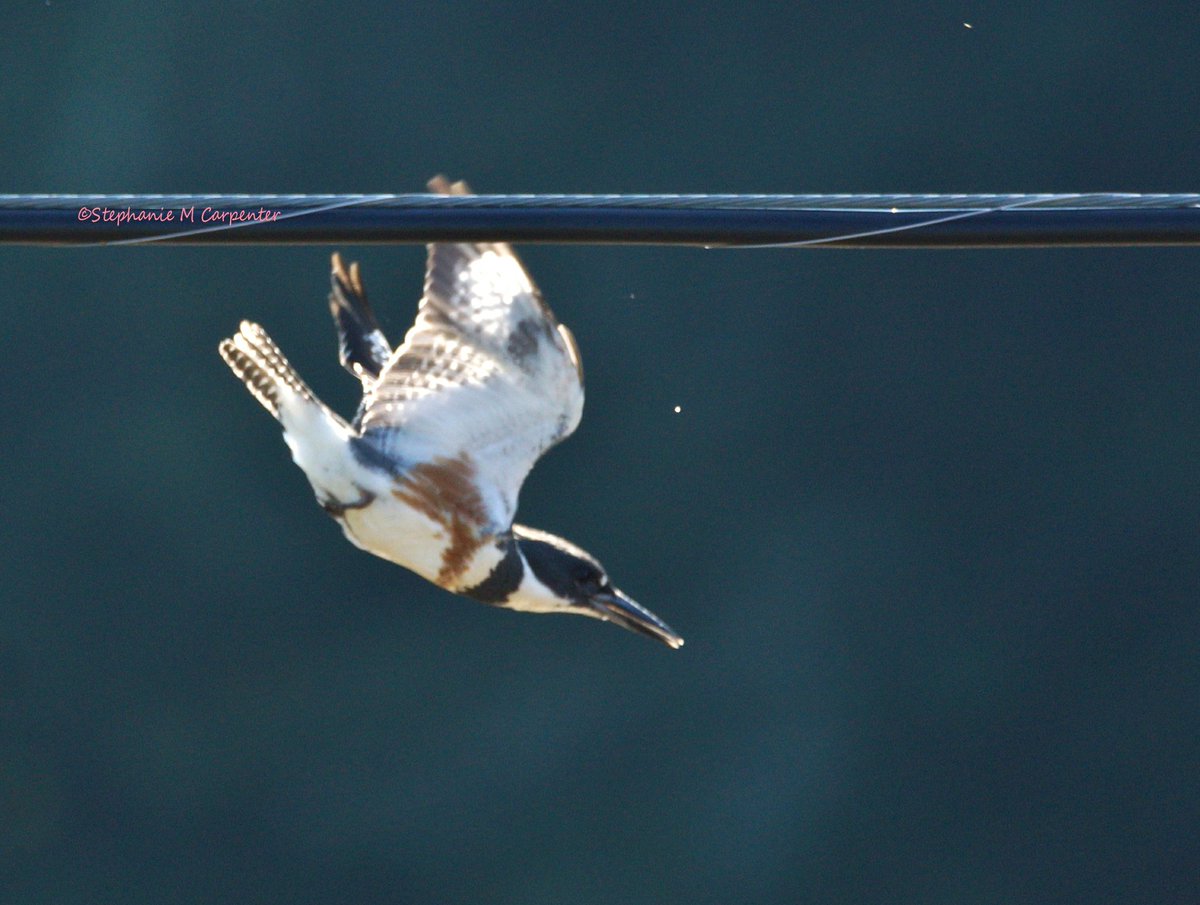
<point x="619" y="609"/>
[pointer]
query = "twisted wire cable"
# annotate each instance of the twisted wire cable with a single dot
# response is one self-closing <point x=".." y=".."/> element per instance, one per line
<point x="830" y="221"/>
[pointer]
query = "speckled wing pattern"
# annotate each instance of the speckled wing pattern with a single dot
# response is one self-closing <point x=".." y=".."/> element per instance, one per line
<point x="486" y="370"/>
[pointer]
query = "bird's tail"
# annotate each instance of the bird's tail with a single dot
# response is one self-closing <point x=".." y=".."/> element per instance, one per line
<point x="319" y="439"/>
<point x="258" y="363"/>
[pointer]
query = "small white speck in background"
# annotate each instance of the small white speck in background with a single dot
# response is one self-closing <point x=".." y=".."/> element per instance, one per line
<point x="678" y="409"/>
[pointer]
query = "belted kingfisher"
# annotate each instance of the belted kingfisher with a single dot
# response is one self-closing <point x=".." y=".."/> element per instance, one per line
<point x="428" y="472"/>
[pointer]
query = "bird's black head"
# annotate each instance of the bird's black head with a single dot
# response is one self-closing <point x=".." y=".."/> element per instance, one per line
<point x="561" y="577"/>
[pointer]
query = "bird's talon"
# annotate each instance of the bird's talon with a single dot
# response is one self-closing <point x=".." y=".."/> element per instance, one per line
<point x="339" y="510"/>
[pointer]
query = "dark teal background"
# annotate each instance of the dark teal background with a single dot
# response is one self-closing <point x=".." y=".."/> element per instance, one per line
<point x="929" y="521"/>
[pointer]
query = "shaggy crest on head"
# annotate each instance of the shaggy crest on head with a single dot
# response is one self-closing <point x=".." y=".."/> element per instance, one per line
<point x="428" y="472"/>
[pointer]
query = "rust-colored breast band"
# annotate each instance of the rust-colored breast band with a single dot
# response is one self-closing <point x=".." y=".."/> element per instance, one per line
<point x="446" y="491"/>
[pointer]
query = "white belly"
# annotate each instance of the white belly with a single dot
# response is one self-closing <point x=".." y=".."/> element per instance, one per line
<point x="431" y="520"/>
<point x="398" y="533"/>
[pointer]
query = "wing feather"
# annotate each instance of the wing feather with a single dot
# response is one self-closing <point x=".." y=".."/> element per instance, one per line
<point x="362" y="348"/>
<point x="486" y="369"/>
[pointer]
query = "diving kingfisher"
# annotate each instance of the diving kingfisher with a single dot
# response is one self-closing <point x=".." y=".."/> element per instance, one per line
<point x="428" y="473"/>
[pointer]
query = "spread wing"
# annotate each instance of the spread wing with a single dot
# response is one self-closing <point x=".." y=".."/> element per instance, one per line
<point x="486" y="371"/>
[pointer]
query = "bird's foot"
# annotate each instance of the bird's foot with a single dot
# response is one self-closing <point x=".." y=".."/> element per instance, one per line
<point x="338" y="509"/>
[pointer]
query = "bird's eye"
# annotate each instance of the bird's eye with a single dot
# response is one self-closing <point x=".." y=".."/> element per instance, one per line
<point x="590" y="582"/>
